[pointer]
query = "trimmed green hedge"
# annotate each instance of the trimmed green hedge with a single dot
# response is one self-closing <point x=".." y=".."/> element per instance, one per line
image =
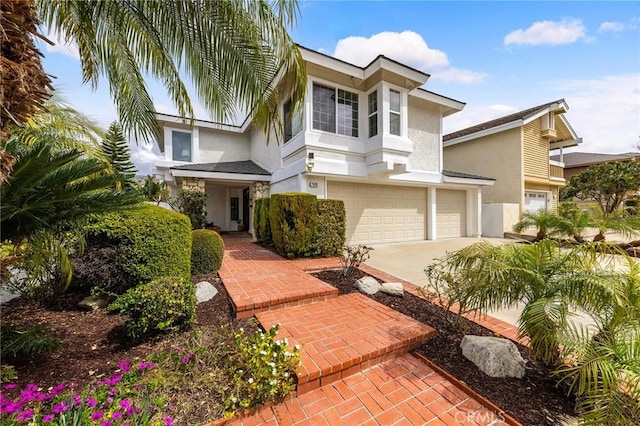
<point x="331" y="227"/>
<point x="207" y="250"/>
<point x="162" y="305"/>
<point x="294" y="218"/>
<point x="261" y="221"/>
<point x="152" y="242"/>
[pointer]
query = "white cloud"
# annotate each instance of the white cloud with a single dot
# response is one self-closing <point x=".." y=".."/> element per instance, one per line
<point x="611" y="26"/>
<point x="565" y="31"/>
<point x="407" y="47"/>
<point x="61" y="46"/>
<point x="456" y="75"/>
<point x="144" y="156"/>
<point x="605" y="112"/>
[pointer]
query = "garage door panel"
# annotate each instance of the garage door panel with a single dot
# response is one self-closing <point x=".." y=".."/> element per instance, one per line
<point x="379" y="213"/>
<point x="451" y="217"/>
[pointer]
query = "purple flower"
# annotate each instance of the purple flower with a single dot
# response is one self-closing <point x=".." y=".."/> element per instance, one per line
<point x="185" y="359"/>
<point x="76" y="399"/>
<point x="48" y="418"/>
<point x="113" y="380"/>
<point x="168" y="421"/>
<point x="96" y="416"/>
<point x="124" y="367"/>
<point x="145" y="365"/>
<point x="125" y="405"/>
<point x="25" y="415"/>
<point x="57" y="390"/>
<point x="117" y="415"/>
<point x="91" y="402"/>
<point x="112" y="391"/>
<point x="11" y="407"/>
<point x="60" y="408"/>
<point x="106" y="423"/>
<point x="10" y="386"/>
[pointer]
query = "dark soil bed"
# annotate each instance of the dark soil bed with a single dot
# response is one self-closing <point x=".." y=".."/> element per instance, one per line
<point x="533" y="400"/>
<point x="95" y="342"/>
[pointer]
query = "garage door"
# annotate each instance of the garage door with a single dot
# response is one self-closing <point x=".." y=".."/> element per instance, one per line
<point x="451" y="218"/>
<point x="535" y="201"/>
<point x="380" y="213"/>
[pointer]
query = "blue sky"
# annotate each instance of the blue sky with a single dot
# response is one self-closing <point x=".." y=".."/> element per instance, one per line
<point x="498" y="57"/>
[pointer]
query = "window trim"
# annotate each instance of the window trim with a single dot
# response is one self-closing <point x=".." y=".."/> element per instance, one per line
<point x="336" y="88"/>
<point x="372" y="114"/>
<point x="191" y="145"/>
<point x="296" y="123"/>
<point x="397" y="113"/>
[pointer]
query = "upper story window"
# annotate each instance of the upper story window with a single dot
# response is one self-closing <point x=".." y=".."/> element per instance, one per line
<point x="394" y="112"/>
<point x="373" y="113"/>
<point x="292" y="123"/>
<point x="335" y="110"/>
<point x="181" y="145"/>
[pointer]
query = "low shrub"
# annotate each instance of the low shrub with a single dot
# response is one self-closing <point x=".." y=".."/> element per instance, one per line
<point x="20" y="343"/>
<point x="207" y="250"/>
<point x="193" y="205"/>
<point x="293" y="218"/>
<point x="133" y="247"/>
<point x="352" y="257"/>
<point x="116" y="400"/>
<point x="261" y="221"/>
<point x="331" y="227"/>
<point x="162" y="305"/>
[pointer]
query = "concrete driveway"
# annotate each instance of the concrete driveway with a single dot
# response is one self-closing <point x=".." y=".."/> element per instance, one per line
<point x="408" y="261"/>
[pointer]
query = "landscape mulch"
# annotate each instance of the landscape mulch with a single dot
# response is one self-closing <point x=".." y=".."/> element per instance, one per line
<point x="533" y="400"/>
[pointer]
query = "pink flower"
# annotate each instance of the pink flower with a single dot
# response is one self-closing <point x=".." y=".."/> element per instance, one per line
<point x="117" y="415"/>
<point x="96" y="416"/>
<point x="168" y="421"/>
<point x="9" y="386"/>
<point x="185" y="359"/>
<point x="124" y="367"/>
<point x="91" y="402"/>
<point x="60" y="408"/>
<point x="48" y="418"/>
<point x="25" y="415"/>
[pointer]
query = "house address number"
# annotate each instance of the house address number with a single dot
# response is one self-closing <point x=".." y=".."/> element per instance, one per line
<point x="313" y="184"/>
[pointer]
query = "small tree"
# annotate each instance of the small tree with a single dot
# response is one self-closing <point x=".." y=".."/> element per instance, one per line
<point x="609" y="184"/>
<point x="155" y="190"/>
<point x="116" y="150"/>
<point x="192" y="204"/>
<point x="546" y="223"/>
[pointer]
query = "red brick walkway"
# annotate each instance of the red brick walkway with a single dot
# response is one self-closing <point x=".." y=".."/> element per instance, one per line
<point x="258" y="280"/>
<point x="354" y="366"/>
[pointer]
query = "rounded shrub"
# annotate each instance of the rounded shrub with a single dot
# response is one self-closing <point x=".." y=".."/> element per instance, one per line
<point x="207" y="250"/>
<point x="162" y="305"/>
<point x="147" y="243"/>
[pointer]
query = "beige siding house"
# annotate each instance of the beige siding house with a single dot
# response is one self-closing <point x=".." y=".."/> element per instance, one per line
<point x="514" y="150"/>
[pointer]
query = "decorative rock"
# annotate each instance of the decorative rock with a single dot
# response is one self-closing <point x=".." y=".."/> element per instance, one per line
<point x="494" y="356"/>
<point x="205" y="291"/>
<point x="394" y="289"/>
<point x="368" y="285"/>
<point x="91" y="303"/>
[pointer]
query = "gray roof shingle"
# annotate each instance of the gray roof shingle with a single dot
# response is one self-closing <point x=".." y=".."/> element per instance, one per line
<point x="521" y="115"/>
<point x="247" y="167"/>
<point x="577" y="159"/>
<point x="450" y="173"/>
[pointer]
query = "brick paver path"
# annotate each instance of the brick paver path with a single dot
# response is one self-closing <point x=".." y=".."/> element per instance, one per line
<point x="354" y="367"/>
<point x="258" y="280"/>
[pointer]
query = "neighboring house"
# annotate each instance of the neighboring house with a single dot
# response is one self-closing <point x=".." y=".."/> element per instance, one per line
<point x="369" y="136"/>
<point x="576" y="162"/>
<point x="514" y="150"/>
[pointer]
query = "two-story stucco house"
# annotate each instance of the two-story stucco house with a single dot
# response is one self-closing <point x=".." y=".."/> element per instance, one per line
<point x="515" y="150"/>
<point x="370" y="136"/>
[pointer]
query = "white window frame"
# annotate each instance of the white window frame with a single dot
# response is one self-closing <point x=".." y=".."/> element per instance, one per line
<point x="374" y="113"/>
<point x="335" y="89"/>
<point x="297" y="121"/>
<point x="195" y="144"/>
<point x="397" y="113"/>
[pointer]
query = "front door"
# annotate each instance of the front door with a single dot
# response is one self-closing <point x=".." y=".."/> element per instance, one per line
<point x="245" y="208"/>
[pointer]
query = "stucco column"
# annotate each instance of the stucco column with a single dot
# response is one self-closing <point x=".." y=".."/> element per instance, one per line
<point x="474" y="212"/>
<point x="431" y="213"/>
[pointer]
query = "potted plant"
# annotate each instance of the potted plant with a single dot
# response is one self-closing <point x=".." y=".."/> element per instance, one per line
<point x="240" y="225"/>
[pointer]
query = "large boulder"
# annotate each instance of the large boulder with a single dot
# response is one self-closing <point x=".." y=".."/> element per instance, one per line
<point x="394" y="289"/>
<point x="368" y="285"/>
<point x="496" y="357"/>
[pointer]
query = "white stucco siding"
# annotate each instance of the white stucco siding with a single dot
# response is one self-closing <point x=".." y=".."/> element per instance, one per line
<point x="424" y="132"/>
<point x="287" y="185"/>
<point x="265" y="155"/>
<point x="217" y="146"/>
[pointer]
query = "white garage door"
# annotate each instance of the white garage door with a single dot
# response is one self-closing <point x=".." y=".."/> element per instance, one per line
<point x="451" y="218"/>
<point x="380" y="213"/>
<point x="535" y="201"/>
